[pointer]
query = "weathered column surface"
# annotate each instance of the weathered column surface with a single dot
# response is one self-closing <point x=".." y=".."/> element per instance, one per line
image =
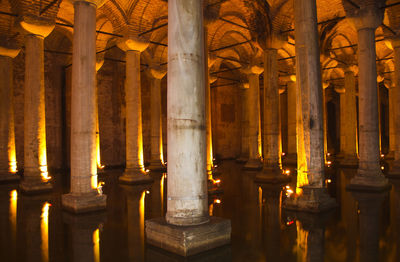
<point x="35" y="156"/>
<point x="83" y="196"/>
<point x="134" y="170"/>
<point x="395" y="169"/>
<point x="244" y="149"/>
<point x="341" y="91"/>
<point x="311" y="191"/>
<point x="392" y="130"/>
<point x="272" y="164"/>
<point x="157" y="154"/>
<point x="369" y="174"/>
<point x="349" y="122"/>
<point x="190" y="229"/>
<point x="253" y="108"/>
<point x="8" y="163"/>
<point x="291" y="154"/>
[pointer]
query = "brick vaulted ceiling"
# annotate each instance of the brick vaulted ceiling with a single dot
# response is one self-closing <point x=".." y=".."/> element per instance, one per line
<point x="237" y="29"/>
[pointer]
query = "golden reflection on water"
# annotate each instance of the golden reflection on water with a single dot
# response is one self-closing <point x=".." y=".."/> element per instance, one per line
<point x="301" y="242"/>
<point x="44" y="229"/>
<point x="96" y="245"/>
<point x="13" y="216"/>
<point x="141" y="216"/>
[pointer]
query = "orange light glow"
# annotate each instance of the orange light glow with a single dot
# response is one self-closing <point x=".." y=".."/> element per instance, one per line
<point x="287" y="172"/>
<point x="44" y="173"/>
<point x="211" y="209"/>
<point x="98" y="156"/>
<point x="382" y="167"/>
<point x="44" y="229"/>
<point x="96" y="245"/>
<point x="13" y="216"/>
<point x="162" y="181"/>
<point x="141" y="214"/>
<point x="217" y="201"/>
<point x="283" y="153"/>
<point x="12" y="158"/>
<point x="100" y="188"/>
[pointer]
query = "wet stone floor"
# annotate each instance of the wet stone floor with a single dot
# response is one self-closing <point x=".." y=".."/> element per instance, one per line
<point x="364" y="227"/>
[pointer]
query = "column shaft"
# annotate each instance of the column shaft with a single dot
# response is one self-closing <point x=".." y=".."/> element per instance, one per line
<point x="187" y="184"/>
<point x="157" y="158"/>
<point x="342" y="123"/>
<point x="271" y="136"/>
<point x="244" y="150"/>
<point x="392" y="129"/>
<point x="291" y="94"/>
<point x="396" y="165"/>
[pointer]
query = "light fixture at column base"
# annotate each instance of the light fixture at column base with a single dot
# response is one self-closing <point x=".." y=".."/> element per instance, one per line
<point x="271" y="176"/>
<point x="253" y="164"/>
<point x="9" y="177"/>
<point x="34" y="186"/>
<point x="157" y="166"/>
<point x="188" y="240"/>
<point x="134" y="177"/>
<point x="83" y="203"/>
<point x="371" y="183"/>
<point x="314" y="200"/>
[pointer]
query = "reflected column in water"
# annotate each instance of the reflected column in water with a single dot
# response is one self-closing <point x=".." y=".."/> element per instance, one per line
<point x="84" y="236"/>
<point x="395" y="208"/>
<point x="135" y="200"/>
<point x="370" y="206"/>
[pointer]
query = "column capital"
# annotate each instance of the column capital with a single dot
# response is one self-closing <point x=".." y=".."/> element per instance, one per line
<point x="340" y="89"/>
<point x="133" y="43"/>
<point x="350" y="69"/>
<point x="282" y="89"/>
<point x="325" y="84"/>
<point x="369" y="16"/>
<point x="275" y="40"/>
<point x="288" y="78"/>
<point x="8" y="48"/>
<point x="252" y="69"/>
<point x="37" y="25"/>
<point x="244" y="85"/>
<point x="156" y="72"/>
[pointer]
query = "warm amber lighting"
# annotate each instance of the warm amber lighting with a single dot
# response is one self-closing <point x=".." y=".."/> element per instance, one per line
<point x="216" y="181"/>
<point x="211" y="209"/>
<point x="382" y="155"/>
<point x="289" y="191"/>
<point x="382" y="167"/>
<point x="162" y="181"/>
<point x="44" y="173"/>
<point x="217" y="201"/>
<point x="98" y="158"/>
<point x="13" y="215"/>
<point x="96" y="245"/>
<point x="141" y="215"/>
<point x="44" y="229"/>
<point x="302" y="244"/>
<point x="12" y="156"/>
<point x="100" y="188"/>
<point x="328" y="154"/>
<point x="93" y="181"/>
<point x="328" y="181"/>
<point x="283" y="153"/>
<point x="287" y="172"/>
<point x="329" y="162"/>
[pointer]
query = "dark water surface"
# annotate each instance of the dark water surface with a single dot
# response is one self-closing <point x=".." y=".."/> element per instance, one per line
<point x="364" y="227"/>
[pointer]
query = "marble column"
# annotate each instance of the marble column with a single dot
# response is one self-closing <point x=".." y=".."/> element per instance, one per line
<point x="395" y="169"/>
<point x="341" y="91"/>
<point x="349" y="124"/>
<point x="157" y="154"/>
<point x="311" y="193"/>
<point x="244" y="149"/>
<point x="84" y="196"/>
<point x="99" y="64"/>
<point x="392" y="130"/>
<point x="253" y="108"/>
<point x="187" y="228"/>
<point x="369" y="174"/>
<point x="35" y="177"/>
<point x="291" y="154"/>
<point x="272" y="165"/>
<point x="8" y="163"/>
<point x="134" y="170"/>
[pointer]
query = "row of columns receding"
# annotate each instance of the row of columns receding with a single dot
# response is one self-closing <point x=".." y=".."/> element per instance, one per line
<point x="189" y="120"/>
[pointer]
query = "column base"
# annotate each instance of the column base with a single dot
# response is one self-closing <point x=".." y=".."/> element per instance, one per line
<point x="390" y="156"/>
<point x="83" y="203"/>
<point x="7" y="177"/>
<point x="188" y="240"/>
<point x="35" y="185"/>
<point x="366" y="180"/>
<point x="271" y="176"/>
<point x="290" y="159"/>
<point x="242" y="159"/>
<point x="349" y="161"/>
<point x="134" y="177"/>
<point x="253" y="164"/>
<point x="157" y="166"/>
<point x="314" y="200"/>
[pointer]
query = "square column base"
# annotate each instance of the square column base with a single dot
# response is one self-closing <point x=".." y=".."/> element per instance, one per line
<point x="349" y="161"/>
<point x="83" y="203"/>
<point x="157" y="166"/>
<point x="271" y="176"/>
<point x="314" y="200"/>
<point x="373" y="182"/>
<point x="188" y="240"/>
<point x="253" y="164"/>
<point x="9" y="177"/>
<point x="34" y="186"/>
<point x="135" y="177"/>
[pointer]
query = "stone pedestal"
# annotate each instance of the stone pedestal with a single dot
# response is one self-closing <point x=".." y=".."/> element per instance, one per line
<point x="8" y="163"/>
<point x="253" y="108"/>
<point x="134" y="171"/>
<point x="187" y="228"/>
<point x="311" y="194"/>
<point x="369" y="174"/>
<point x="157" y="154"/>
<point x="35" y="177"/>
<point x="395" y="169"/>
<point x="83" y="196"/>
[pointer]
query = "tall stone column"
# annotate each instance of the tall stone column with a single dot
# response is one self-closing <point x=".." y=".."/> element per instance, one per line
<point x="311" y="193"/>
<point x="134" y="170"/>
<point x="244" y="149"/>
<point x="350" y="156"/>
<point x="253" y="108"/>
<point x="8" y="161"/>
<point x="392" y="129"/>
<point x="83" y="196"/>
<point x="369" y="174"/>
<point x="157" y="154"/>
<point x="99" y="64"/>
<point x="341" y="91"/>
<point x="272" y="165"/>
<point x="291" y="154"/>
<point x="187" y="228"/>
<point x="35" y="156"/>
<point x="395" y="169"/>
